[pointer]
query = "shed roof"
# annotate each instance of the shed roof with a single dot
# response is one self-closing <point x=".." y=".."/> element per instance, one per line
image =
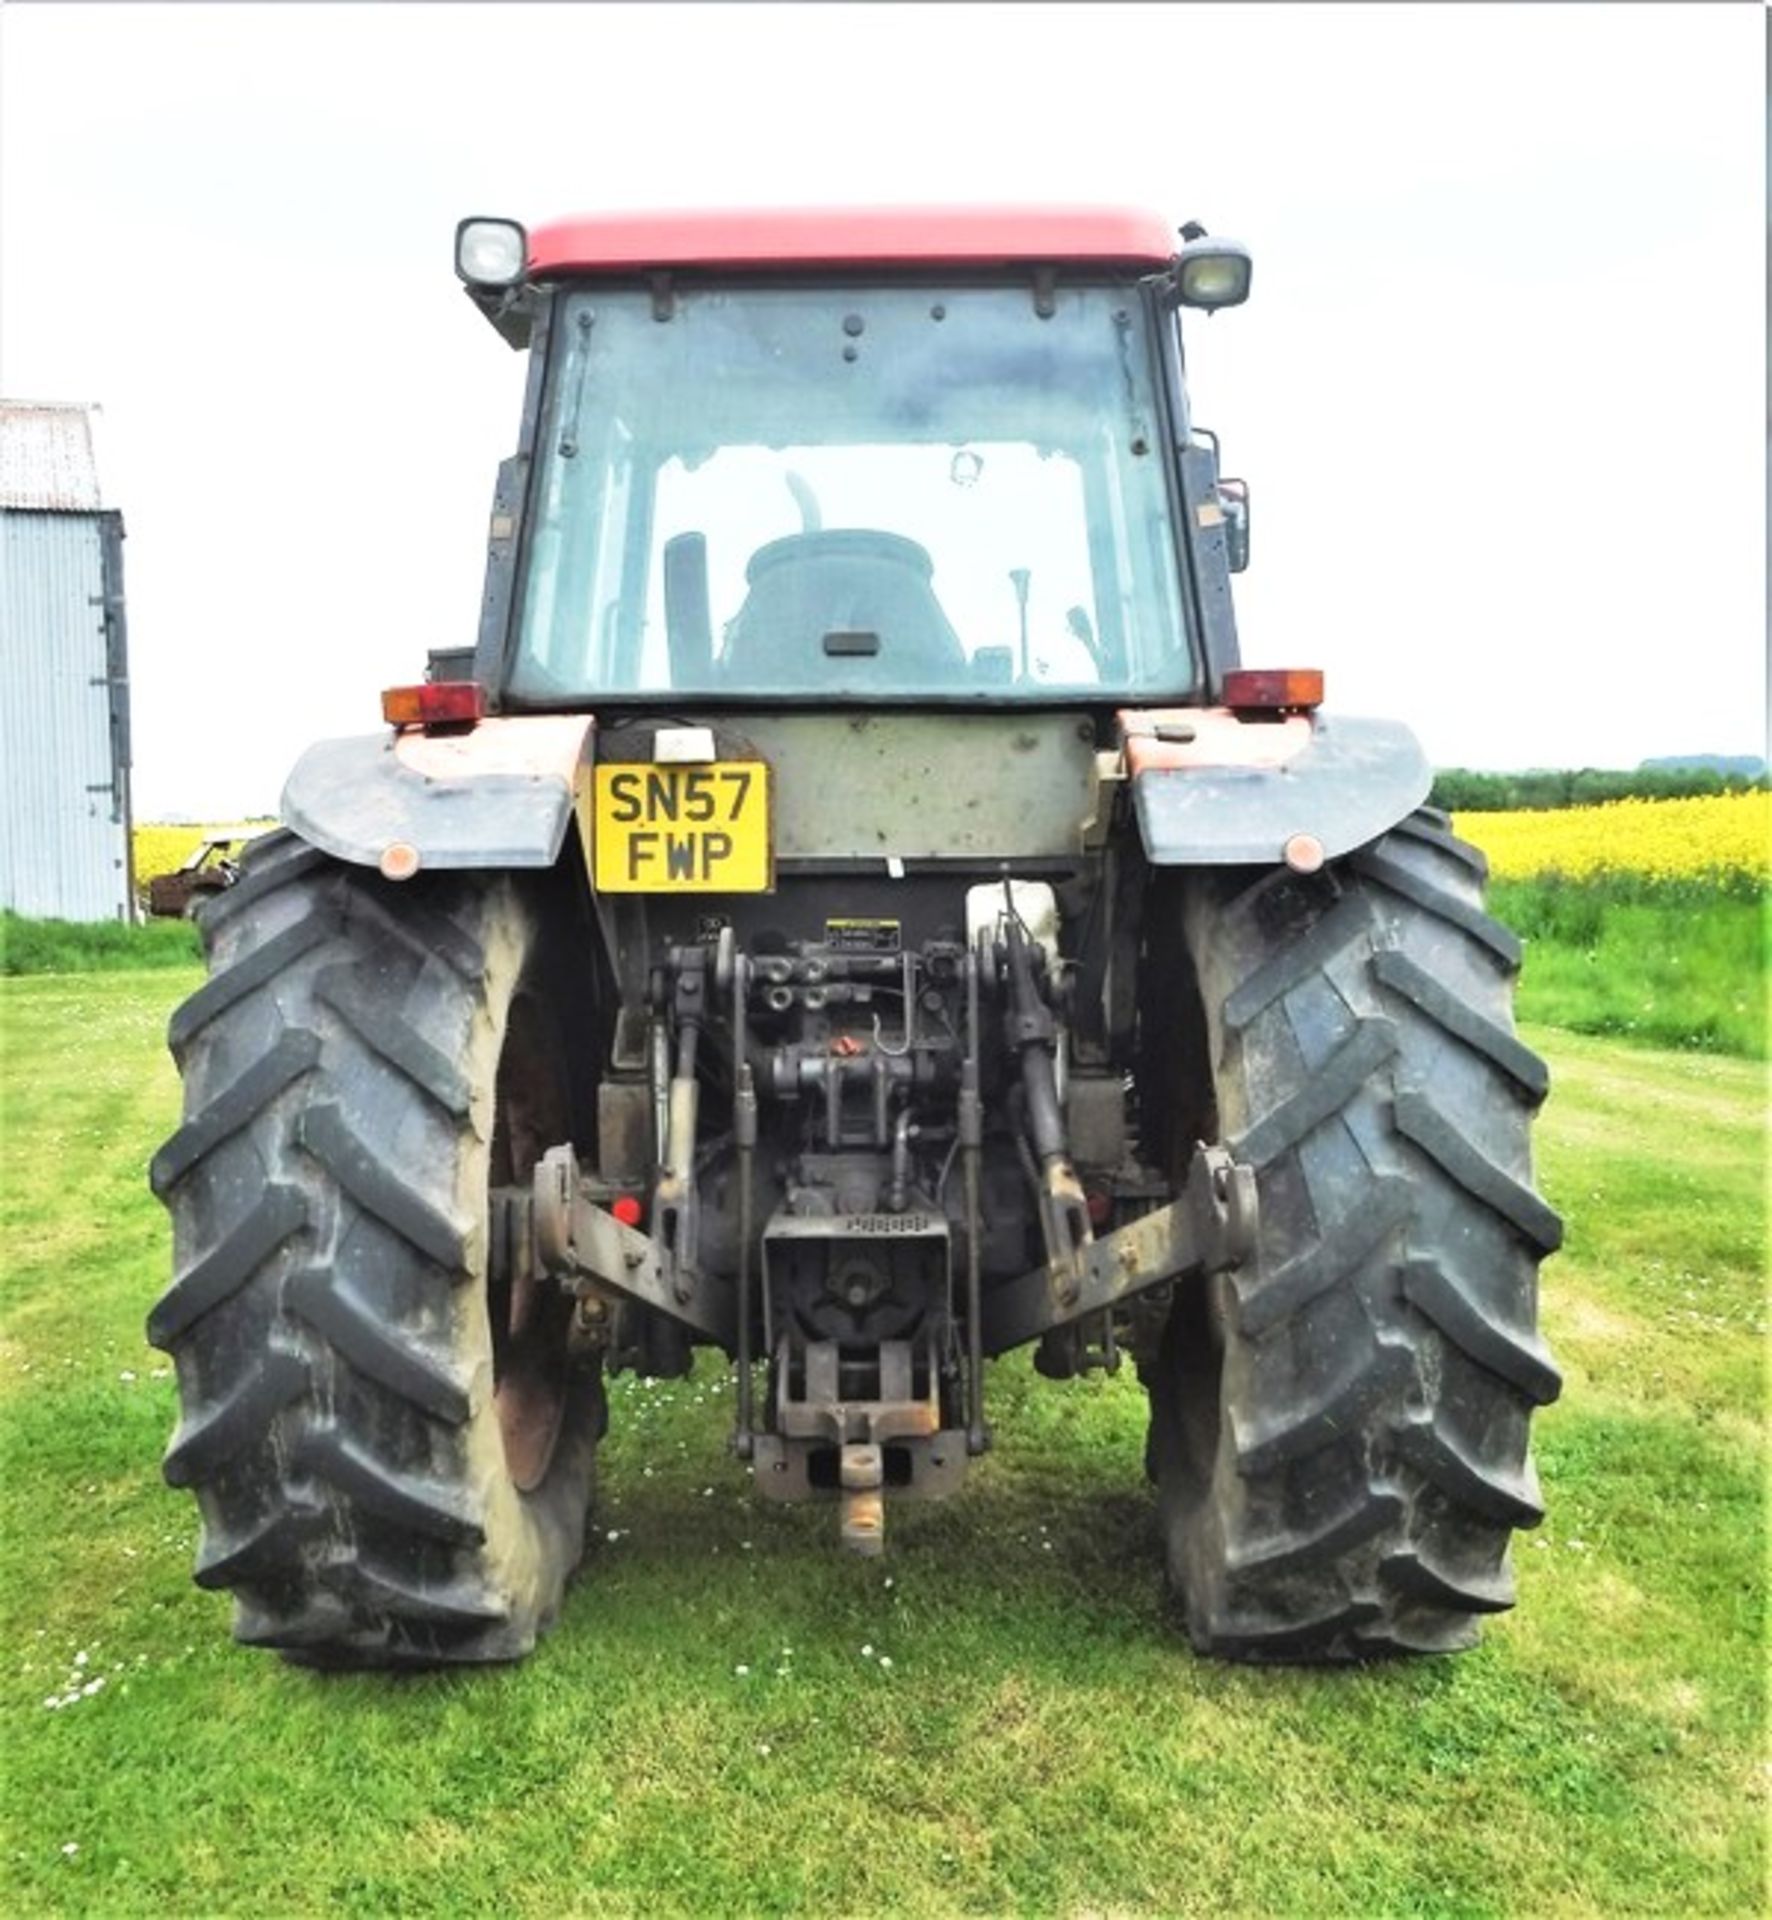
<point x="46" y="456"/>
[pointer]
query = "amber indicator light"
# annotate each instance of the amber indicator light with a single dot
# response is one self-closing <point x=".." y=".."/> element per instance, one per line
<point x="436" y="703"/>
<point x="1274" y="688"/>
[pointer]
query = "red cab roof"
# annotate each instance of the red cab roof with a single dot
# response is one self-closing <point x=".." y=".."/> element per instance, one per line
<point x="852" y="236"/>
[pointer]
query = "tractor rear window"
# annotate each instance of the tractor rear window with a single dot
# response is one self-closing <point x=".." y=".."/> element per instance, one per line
<point x="910" y="493"/>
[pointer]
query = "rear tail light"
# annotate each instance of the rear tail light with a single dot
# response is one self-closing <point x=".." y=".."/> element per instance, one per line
<point x="436" y="703"/>
<point x="1273" y="689"/>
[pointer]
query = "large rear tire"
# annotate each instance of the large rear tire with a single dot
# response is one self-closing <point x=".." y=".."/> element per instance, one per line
<point x="1339" y="1428"/>
<point x="393" y="1458"/>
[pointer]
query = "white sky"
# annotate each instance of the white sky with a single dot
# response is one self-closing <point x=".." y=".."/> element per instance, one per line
<point x="1499" y="391"/>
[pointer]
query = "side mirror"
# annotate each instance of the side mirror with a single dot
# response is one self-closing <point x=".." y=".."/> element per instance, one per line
<point x="1233" y="501"/>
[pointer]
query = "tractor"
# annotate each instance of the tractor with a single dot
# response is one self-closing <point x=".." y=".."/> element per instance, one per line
<point x="853" y="909"/>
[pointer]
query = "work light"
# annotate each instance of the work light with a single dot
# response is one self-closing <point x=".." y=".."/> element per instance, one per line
<point x="1213" y="273"/>
<point x="490" y="253"/>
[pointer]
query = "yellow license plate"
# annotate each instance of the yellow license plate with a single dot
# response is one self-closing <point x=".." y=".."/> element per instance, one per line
<point x="698" y="829"/>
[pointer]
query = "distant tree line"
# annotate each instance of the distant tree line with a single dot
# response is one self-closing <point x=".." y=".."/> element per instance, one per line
<point x="1459" y="790"/>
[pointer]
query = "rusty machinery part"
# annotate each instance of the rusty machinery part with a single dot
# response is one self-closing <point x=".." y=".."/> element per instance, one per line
<point x="582" y="1245"/>
<point x="1339" y="1429"/>
<point x="854" y="1427"/>
<point x="1210" y="1228"/>
<point x="389" y="1434"/>
<point x="208" y="869"/>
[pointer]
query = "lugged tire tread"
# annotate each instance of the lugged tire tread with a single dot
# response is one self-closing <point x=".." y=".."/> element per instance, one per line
<point x="1416" y="1628"/>
<point x="460" y="1604"/>
<point x="1318" y="1098"/>
<point x="1264" y="1556"/>
<point x="268" y="866"/>
<point x="1517" y="1356"/>
<point x="377" y="1189"/>
<point x="422" y="931"/>
<point x="1327" y="1635"/>
<point x="1416" y="1574"/>
<point x="401" y="1364"/>
<point x="1438" y="833"/>
<point x="1507" y="1500"/>
<point x="280" y="1212"/>
<point x="1347" y="921"/>
<point x="271" y="1548"/>
<point x="1440" y="900"/>
<point x="1517" y="1060"/>
<point x="422" y="1506"/>
<point x="1348" y="1243"/>
<point x="225" y="989"/>
<point x="293" y="1055"/>
<point x="1421" y="1121"/>
<point x="238" y="1420"/>
<point x="1307" y="1425"/>
<point x="426" y="1066"/>
<point x="320" y="1620"/>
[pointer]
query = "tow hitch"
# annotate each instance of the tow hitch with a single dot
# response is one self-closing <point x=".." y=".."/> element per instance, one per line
<point x="851" y="1422"/>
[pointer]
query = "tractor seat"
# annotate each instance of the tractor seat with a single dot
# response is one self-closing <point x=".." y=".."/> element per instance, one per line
<point x="847" y="580"/>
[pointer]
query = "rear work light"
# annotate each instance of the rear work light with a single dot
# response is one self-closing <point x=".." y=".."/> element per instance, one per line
<point x="1273" y="689"/>
<point x="1212" y="273"/>
<point x="490" y="253"/>
<point x="436" y="703"/>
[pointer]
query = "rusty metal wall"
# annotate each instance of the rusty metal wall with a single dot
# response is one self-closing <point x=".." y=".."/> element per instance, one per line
<point x="64" y="790"/>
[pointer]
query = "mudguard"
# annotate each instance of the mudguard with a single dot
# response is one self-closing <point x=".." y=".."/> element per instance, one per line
<point x="499" y="795"/>
<point x="1211" y="788"/>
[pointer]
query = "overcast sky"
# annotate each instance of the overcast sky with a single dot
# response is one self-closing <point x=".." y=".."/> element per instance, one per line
<point x="1499" y="392"/>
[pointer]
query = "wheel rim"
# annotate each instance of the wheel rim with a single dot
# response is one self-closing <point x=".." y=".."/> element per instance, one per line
<point x="531" y="1317"/>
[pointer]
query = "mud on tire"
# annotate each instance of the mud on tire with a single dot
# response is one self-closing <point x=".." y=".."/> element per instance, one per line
<point x="392" y="1467"/>
<point x="1339" y="1429"/>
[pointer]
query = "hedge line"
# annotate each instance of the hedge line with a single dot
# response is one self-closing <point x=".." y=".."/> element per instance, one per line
<point x="1459" y="790"/>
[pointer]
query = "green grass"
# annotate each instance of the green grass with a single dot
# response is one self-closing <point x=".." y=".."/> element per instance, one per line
<point x="1042" y="1740"/>
<point x="69" y="946"/>
<point x="1663" y="966"/>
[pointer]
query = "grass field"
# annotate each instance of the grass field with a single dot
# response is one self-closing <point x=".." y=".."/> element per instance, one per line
<point x="1669" y="966"/>
<point x="733" y="1717"/>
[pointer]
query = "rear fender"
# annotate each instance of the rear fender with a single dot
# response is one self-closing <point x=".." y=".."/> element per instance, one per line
<point x="1210" y="788"/>
<point x="497" y="795"/>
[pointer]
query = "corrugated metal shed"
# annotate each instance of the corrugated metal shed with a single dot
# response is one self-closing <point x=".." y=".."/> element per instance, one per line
<point x="64" y="675"/>
<point x="48" y="461"/>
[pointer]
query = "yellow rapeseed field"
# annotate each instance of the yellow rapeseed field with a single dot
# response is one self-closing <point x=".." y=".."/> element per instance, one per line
<point x="1722" y="839"/>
